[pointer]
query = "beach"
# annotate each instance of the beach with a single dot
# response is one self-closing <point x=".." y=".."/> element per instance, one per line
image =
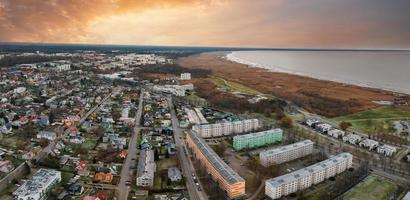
<point x="328" y="98"/>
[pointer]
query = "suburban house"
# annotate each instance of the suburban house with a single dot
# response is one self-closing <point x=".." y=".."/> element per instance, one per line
<point x="6" y="166"/>
<point x="103" y="175"/>
<point x="174" y="174"/>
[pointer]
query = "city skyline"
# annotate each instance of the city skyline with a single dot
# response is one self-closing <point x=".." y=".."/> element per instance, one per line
<point x="271" y="24"/>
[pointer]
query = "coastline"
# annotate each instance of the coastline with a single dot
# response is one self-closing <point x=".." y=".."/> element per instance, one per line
<point x="306" y="92"/>
<point x="230" y="56"/>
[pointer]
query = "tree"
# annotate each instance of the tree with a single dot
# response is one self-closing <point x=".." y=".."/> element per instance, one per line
<point x="286" y="122"/>
<point x="345" y="125"/>
<point x="220" y="149"/>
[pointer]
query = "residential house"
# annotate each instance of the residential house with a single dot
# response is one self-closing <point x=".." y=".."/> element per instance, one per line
<point x="174" y="174"/>
<point x="352" y="138"/>
<point x="6" y="166"/>
<point x="49" y="135"/>
<point x="369" y="143"/>
<point x="103" y="175"/>
<point x="387" y="150"/>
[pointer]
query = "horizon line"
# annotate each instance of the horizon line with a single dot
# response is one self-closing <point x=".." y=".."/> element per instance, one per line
<point x="209" y="47"/>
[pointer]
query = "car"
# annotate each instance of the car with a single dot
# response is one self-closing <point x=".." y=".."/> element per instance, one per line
<point x="127" y="183"/>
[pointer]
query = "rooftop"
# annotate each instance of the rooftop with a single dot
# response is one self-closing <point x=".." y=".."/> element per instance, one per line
<point x="257" y="134"/>
<point x="42" y="179"/>
<point x="288" y="178"/>
<point x="286" y="147"/>
<point x="230" y="176"/>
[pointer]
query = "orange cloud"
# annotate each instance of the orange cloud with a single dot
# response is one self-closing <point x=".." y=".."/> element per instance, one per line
<point x="261" y="23"/>
<point x="65" y="20"/>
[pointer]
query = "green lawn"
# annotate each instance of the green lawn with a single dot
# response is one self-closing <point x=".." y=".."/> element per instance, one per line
<point x="376" y="119"/>
<point x="12" y="141"/>
<point x="66" y="176"/>
<point x="90" y="142"/>
<point x="373" y="188"/>
<point x="166" y="163"/>
<point x="233" y="86"/>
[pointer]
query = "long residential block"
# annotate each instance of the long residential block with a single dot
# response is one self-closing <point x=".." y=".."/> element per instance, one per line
<point x="286" y="153"/>
<point x="257" y="139"/>
<point x="226" y="128"/>
<point x="306" y="177"/>
<point x="146" y="169"/>
<point x="37" y="187"/>
<point x="228" y="180"/>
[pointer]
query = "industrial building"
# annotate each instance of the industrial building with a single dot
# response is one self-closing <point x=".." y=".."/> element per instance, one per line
<point x="257" y="139"/>
<point x="286" y="153"/>
<point x="228" y="180"/>
<point x="226" y="128"/>
<point x="306" y="177"/>
<point x="37" y="187"/>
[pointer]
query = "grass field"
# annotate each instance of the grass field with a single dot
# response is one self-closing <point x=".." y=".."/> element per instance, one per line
<point x="372" y="188"/>
<point x="375" y="119"/>
<point x="166" y="163"/>
<point x="233" y="86"/>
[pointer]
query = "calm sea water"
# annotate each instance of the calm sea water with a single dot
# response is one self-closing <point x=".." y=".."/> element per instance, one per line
<point x="388" y="70"/>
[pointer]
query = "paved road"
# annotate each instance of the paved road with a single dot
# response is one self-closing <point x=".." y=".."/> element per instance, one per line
<point x="47" y="150"/>
<point x="186" y="164"/>
<point x="126" y="172"/>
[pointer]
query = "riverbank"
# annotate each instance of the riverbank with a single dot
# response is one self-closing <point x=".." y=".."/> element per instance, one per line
<point x="327" y="98"/>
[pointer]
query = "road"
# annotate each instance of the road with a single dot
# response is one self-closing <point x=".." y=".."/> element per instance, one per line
<point x="186" y="164"/>
<point x="126" y="172"/>
<point x="47" y="150"/>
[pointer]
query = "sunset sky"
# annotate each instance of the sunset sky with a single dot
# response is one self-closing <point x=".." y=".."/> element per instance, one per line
<point x="236" y="23"/>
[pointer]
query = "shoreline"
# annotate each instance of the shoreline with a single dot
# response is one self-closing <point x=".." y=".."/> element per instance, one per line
<point x="310" y="93"/>
<point x="230" y="56"/>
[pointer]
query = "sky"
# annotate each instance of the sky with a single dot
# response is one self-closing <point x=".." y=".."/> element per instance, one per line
<point x="228" y="23"/>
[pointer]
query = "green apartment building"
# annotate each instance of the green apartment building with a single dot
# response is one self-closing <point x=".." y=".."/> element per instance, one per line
<point x="257" y="139"/>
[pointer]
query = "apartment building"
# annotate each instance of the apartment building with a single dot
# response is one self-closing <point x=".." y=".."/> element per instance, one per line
<point x="369" y="143"/>
<point x="257" y="139"/>
<point x="352" y="138"/>
<point x="386" y="150"/>
<point x="306" y="177"/>
<point x="336" y="133"/>
<point x="185" y="76"/>
<point x="37" y="187"/>
<point x="226" y="128"/>
<point x="286" y="153"/>
<point x="146" y="168"/>
<point x="227" y="179"/>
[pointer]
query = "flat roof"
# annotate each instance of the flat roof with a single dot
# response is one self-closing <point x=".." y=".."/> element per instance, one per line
<point x="37" y="183"/>
<point x="286" y="148"/>
<point x="304" y="172"/>
<point x="252" y="135"/>
<point x="224" y="170"/>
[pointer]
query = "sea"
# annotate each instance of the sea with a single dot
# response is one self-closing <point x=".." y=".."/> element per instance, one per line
<point x="387" y="69"/>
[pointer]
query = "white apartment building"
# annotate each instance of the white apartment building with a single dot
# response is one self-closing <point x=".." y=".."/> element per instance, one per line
<point x="308" y="176"/>
<point x="368" y="143"/>
<point x="185" y="76"/>
<point x="226" y="128"/>
<point x="37" y="187"/>
<point x="387" y="150"/>
<point x="323" y="127"/>
<point x="310" y="122"/>
<point x="49" y="135"/>
<point x="286" y="153"/>
<point x="146" y="168"/>
<point x="63" y="67"/>
<point x="352" y="138"/>
<point x="336" y="133"/>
